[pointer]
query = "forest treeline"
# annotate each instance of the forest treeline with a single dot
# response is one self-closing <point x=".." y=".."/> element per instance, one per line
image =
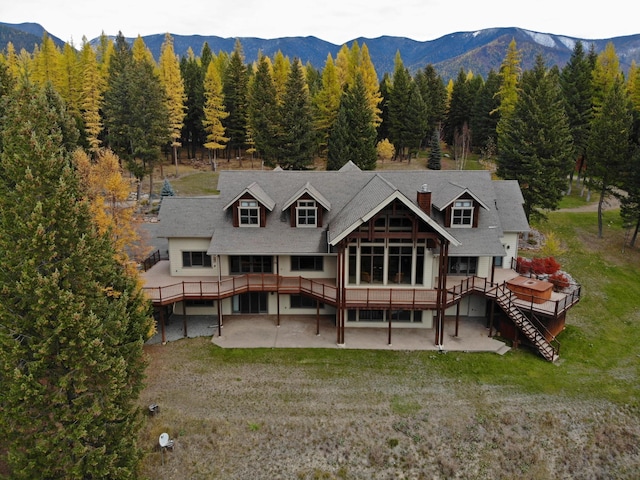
<point x="540" y="126"/>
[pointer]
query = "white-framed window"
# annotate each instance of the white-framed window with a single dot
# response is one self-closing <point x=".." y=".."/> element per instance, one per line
<point x="249" y="213"/>
<point x="462" y="213"/>
<point x="306" y="213"/>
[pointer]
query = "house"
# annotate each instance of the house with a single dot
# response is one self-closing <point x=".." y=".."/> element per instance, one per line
<point x="372" y="249"/>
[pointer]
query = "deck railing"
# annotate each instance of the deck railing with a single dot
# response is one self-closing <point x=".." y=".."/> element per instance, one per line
<point x="535" y="304"/>
<point x="151" y="260"/>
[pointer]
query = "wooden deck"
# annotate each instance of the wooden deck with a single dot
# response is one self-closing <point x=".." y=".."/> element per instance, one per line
<point x="163" y="289"/>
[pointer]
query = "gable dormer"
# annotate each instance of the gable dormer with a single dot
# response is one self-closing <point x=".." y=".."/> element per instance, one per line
<point x="307" y="207"/>
<point x="463" y="211"/>
<point x="250" y="207"/>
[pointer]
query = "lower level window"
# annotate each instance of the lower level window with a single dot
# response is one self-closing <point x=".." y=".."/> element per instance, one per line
<point x="403" y="316"/>
<point x="302" y="301"/>
<point x="198" y="303"/>
<point x="196" y="259"/>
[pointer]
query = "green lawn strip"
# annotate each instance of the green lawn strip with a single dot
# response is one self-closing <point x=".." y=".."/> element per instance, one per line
<point x="201" y="183"/>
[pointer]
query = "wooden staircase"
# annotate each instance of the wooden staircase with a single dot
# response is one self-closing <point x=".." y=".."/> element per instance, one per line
<point x="504" y="298"/>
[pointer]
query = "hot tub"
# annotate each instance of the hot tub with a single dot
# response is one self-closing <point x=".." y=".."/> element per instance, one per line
<point x="529" y="289"/>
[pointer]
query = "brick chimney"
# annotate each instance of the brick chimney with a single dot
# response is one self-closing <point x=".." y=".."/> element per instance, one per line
<point x="424" y="198"/>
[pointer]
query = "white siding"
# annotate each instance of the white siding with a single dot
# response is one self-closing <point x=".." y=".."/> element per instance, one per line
<point x="484" y="267"/>
<point x="510" y="242"/>
<point x="328" y="264"/>
<point x="179" y="245"/>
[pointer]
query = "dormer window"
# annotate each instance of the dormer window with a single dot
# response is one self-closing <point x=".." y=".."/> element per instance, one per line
<point x="306" y="213"/>
<point x="249" y="213"/>
<point x="462" y="214"/>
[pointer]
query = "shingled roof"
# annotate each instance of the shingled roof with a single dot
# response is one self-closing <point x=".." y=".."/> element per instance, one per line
<point x="350" y="197"/>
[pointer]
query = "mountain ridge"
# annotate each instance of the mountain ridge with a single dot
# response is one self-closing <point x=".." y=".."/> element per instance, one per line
<point x="477" y="51"/>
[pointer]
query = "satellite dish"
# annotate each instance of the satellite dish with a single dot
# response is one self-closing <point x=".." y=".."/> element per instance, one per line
<point x="164" y="440"/>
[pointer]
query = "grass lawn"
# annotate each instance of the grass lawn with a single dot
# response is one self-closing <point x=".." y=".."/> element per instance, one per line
<point x="329" y="414"/>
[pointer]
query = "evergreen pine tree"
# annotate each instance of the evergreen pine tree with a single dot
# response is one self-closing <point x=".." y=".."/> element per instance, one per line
<point x="435" y="153"/>
<point x="609" y="145"/>
<point x="577" y="88"/>
<point x="460" y="106"/>
<point x="167" y="189"/>
<point x="399" y="98"/>
<point x="434" y="94"/>
<point x="73" y="320"/>
<point x="485" y="114"/>
<point x="193" y="72"/>
<point x="536" y="144"/>
<point x="136" y="116"/>
<point x="296" y="134"/>
<point x="235" y="81"/>
<point x="263" y="112"/>
<point x="630" y="200"/>
<point x="353" y="136"/>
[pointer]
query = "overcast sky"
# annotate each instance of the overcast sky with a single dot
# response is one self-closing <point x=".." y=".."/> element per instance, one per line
<point x="336" y="21"/>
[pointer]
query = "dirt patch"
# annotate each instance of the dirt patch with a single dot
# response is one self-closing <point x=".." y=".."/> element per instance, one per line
<point x="298" y="421"/>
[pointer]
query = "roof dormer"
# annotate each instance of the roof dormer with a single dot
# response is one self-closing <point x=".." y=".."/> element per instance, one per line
<point x="306" y="207"/>
<point x="250" y="207"/>
<point x="463" y="211"/>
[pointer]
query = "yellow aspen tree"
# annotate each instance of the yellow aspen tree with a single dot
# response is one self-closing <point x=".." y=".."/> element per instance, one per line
<point x="176" y="97"/>
<point x="371" y="84"/>
<point x="214" y="111"/>
<point x="281" y="67"/>
<point x="107" y="190"/>
<point x="93" y="85"/>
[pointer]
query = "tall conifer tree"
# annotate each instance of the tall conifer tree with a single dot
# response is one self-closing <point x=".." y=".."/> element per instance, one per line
<point x="536" y="145"/>
<point x="175" y="96"/>
<point x="235" y="81"/>
<point x="353" y="136"/>
<point x="609" y="146"/>
<point x="73" y="321"/>
<point x="577" y="88"/>
<point x="214" y="112"/>
<point x="296" y="134"/>
<point x="263" y="112"/>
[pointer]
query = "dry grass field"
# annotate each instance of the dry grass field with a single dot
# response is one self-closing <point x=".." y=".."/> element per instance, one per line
<point x="271" y="414"/>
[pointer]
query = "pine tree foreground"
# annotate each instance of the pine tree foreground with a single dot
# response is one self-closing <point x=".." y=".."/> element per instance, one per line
<point x="72" y="321"/>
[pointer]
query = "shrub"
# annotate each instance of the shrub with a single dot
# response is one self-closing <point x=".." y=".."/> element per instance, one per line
<point x="538" y="266"/>
<point x="523" y="265"/>
<point x="560" y="281"/>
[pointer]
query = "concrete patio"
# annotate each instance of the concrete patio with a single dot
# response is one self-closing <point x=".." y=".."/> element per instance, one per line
<point x="262" y="331"/>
